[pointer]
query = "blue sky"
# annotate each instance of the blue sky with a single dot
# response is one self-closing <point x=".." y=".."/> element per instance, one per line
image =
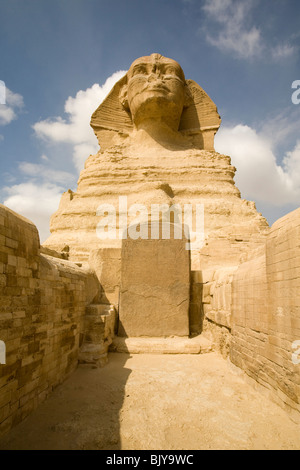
<point x="59" y="59"/>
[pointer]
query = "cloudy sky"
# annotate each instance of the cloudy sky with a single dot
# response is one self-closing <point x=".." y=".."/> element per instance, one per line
<point x="59" y="59"/>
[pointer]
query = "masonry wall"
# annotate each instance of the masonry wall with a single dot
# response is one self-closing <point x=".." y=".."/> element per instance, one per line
<point x="42" y="303"/>
<point x="266" y="314"/>
<point x="211" y="295"/>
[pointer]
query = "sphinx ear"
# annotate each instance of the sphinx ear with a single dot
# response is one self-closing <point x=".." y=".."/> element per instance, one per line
<point x="123" y="97"/>
<point x="188" y="97"/>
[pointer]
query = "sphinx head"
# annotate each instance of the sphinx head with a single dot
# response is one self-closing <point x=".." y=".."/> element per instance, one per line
<point x="155" y="91"/>
<point x="155" y="97"/>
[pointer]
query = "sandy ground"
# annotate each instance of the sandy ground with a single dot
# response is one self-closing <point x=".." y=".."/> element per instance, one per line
<point x="155" y="402"/>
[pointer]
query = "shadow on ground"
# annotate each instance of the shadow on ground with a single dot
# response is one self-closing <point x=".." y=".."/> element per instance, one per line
<point x="82" y="413"/>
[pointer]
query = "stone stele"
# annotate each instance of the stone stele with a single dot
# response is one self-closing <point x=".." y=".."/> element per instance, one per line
<point x="155" y="286"/>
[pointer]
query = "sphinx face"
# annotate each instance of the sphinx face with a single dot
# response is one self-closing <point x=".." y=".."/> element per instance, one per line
<point x="156" y="90"/>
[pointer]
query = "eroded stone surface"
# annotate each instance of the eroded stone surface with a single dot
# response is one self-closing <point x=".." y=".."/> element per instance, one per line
<point x="155" y="287"/>
<point x="98" y="331"/>
<point x="156" y="133"/>
<point x="266" y="313"/>
<point x="171" y="345"/>
<point x="42" y="304"/>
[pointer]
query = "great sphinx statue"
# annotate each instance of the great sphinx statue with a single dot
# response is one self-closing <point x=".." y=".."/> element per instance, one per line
<point x="154" y="104"/>
<point x="156" y="135"/>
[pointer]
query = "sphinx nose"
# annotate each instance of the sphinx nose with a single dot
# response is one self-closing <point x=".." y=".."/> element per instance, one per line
<point x="154" y="76"/>
<point x="151" y="77"/>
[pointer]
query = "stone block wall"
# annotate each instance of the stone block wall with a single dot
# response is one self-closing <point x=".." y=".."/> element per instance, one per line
<point x="106" y="262"/>
<point x="211" y="293"/>
<point x="217" y="296"/>
<point x="266" y="314"/>
<point x="42" y="304"/>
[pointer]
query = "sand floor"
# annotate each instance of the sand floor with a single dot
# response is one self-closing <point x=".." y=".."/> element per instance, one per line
<point x="156" y="402"/>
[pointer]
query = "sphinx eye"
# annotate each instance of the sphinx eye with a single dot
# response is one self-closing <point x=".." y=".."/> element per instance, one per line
<point x="170" y="70"/>
<point x="139" y="70"/>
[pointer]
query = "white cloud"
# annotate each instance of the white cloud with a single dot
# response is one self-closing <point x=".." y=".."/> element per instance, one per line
<point x="279" y="128"/>
<point x="6" y="115"/>
<point x="233" y="34"/>
<point x="13" y="104"/>
<point x="229" y="29"/>
<point x="291" y="163"/>
<point x="82" y="151"/>
<point x="76" y="129"/>
<point x="38" y="197"/>
<point x="258" y="176"/>
<point x="35" y="201"/>
<point x="282" y="50"/>
<point x="43" y="172"/>
<point x="14" y="99"/>
<point x="2" y="92"/>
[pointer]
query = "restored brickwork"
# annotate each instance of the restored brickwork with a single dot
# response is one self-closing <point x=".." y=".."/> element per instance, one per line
<point x="42" y="303"/>
<point x="266" y="313"/>
<point x="216" y="294"/>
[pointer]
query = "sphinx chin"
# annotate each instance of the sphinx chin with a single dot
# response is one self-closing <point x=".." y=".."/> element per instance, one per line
<point x="158" y="109"/>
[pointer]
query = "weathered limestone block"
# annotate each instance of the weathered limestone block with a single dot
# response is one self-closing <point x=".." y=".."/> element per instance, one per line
<point x="61" y="254"/>
<point x="106" y="262"/>
<point x="155" y="287"/>
<point x="174" y="345"/>
<point x="215" y="304"/>
<point x="98" y="332"/>
<point x="266" y="314"/>
<point x="42" y="305"/>
<point x="217" y="295"/>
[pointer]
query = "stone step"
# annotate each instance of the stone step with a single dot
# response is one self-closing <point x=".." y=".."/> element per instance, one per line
<point x="171" y="345"/>
<point x="99" y="325"/>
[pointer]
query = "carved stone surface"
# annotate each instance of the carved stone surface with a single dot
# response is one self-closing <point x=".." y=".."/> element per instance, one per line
<point x="155" y="287"/>
<point x="156" y="132"/>
<point x="155" y="89"/>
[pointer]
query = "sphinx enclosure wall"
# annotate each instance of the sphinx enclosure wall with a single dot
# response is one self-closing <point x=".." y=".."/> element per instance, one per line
<point x="42" y="303"/>
<point x="252" y="313"/>
<point x="266" y="314"/>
